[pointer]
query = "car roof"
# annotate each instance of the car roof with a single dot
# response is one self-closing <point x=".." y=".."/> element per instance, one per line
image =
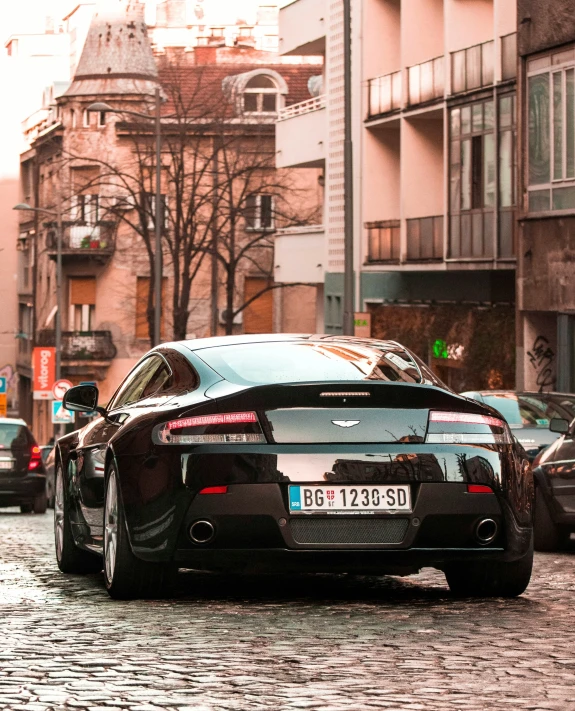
<point x="12" y="421"/>
<point x="219" y="341"/>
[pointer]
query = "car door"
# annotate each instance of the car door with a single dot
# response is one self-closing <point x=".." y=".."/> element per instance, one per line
<point x="139" y="390"/>
<point x="557" y="463"/>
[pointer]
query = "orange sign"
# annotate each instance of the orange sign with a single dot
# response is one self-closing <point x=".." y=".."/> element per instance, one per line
<point x="44" y="364"/>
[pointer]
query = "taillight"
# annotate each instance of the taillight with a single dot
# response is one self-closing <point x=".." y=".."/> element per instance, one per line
<point x="466" y="428"/>
<point x="214" y="490"/>
<point x="479" y="489"/>
<point x="227" y="428"/>
<point x="35" y="458"/>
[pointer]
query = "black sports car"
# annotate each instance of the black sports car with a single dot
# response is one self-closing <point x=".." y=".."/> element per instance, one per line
<point x="291" y="453"/>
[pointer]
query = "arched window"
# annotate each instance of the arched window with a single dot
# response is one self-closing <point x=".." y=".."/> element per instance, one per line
<point x="261" y="95"/>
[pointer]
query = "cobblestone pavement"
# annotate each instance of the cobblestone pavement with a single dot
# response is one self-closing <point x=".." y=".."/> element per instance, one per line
<point x="333" y="643"/>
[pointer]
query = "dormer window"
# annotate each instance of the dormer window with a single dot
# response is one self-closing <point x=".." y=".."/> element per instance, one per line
<point x="261" y="95"/>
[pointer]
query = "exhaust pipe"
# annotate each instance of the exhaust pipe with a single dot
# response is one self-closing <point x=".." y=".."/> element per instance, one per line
<point x="202" y="531"/>
<point x="486" y="531"/>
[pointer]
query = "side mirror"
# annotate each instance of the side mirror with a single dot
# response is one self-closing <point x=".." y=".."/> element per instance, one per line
<point x="82" y="398"/>
<point x="559" y="425"/>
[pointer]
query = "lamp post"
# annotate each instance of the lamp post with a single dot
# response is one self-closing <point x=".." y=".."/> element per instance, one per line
<point x="58" y="325"/>
<point x="102" y="107"/>
<point x="348" y="277"/>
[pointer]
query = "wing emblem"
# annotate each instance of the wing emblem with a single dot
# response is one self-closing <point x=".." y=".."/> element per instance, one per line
<point x="346" y="423"/>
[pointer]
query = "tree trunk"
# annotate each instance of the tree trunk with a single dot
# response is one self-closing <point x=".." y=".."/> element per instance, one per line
<point x="230" y="299"/>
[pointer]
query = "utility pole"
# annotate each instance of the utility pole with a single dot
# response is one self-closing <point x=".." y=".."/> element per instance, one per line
<point x="214" y="265"/>
<point x="158" y="263"/>
<point x="348" y="277"/>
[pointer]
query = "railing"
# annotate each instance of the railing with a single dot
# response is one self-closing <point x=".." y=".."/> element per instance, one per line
<point x="82" y="345"/>
<point x="426" y="81"/>
<point x="425" y="238"/>
<point x="299" y="230"/>
<point x="84" y="239"/>
<point x="304" y="107"/>
<point x="384" y="94"/>
<point x="383" y="240"/>
<point x="509" y="56"/>
<point x="472" y="68"/>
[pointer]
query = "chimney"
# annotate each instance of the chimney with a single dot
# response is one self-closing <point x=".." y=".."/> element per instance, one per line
<point x="206" y="55"/>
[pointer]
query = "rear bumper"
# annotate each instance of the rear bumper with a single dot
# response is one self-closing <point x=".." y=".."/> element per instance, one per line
<point x="255" y="531"/>
<point x="17" y="490"/>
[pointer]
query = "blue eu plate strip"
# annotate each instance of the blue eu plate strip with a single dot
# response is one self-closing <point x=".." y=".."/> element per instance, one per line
<point x="294" y="498"/>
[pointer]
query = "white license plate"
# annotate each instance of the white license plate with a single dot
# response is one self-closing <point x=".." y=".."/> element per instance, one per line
<point x="349" y="498"/>
<point x="6" y="464"/>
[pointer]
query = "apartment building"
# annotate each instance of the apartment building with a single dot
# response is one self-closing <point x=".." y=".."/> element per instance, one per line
<point x="96" y="170"/>
<point x="546" y="272"/>
<point x="434" y="111"/>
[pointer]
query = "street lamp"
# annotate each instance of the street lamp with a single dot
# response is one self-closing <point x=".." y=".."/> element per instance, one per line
<point x="58" y="215"/>
<point x="102" y="107"/>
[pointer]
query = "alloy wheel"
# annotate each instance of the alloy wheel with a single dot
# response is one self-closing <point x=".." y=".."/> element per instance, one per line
<point x="59" y="513"/>
<point x="111" y="527"/>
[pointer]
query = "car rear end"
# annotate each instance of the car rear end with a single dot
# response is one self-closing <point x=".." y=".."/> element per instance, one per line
<point x="345" y="476"/>
<point x="22" y="474"/>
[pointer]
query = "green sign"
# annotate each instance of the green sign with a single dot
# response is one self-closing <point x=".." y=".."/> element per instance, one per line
<point x="440" y="349"/>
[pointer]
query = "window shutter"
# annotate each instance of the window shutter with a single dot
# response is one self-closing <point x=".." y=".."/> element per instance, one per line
<point x="258" y="316"/>
<point x="83" y="291"/>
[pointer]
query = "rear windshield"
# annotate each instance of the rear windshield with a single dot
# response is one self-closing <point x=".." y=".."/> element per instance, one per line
<point x="526" y="410"/>
<point x="13" y="436"/>
<point x="267" y="363"/>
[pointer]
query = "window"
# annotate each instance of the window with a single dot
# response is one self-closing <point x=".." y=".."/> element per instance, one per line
<point x="85" y="208"/>
<point x="259" y="212"/>
<point x="86" y="119"/>
<point x="261" y="96"/>
<point x="509" y="56"/>
<point x="551" y="131"/>
<point x="142" y="292"/>
<point x="72" y="118"/>
<point x="148" y="203"/>
<point x="144" y="381"/>
<point x="82" y="304"/>
<point x="383" y="241"/>
<point x="101" y="119"/>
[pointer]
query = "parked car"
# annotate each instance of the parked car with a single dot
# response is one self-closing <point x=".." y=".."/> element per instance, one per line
<point x="529" y="414"/>
<point x="22" y="474"/>
<point x="49" y="465"/>
<point x="291" y="453"/>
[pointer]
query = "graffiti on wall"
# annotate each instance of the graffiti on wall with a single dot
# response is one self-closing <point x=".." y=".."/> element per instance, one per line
<point x="542" y="359"/>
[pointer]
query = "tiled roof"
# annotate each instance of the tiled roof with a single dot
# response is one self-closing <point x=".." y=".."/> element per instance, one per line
<point x="117" y="57"/>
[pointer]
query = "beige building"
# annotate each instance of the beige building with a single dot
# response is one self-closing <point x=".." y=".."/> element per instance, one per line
<point x="86" y="165"/>
<point x="434" y="115"/>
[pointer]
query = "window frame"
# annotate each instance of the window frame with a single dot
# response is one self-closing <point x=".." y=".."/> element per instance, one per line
<point x="257" y="219"/>
<point x="547" y="67"/>
<point x="113" y="405"/>
<point x="260" y="92"/>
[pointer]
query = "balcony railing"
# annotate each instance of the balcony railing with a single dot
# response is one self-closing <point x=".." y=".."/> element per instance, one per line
<point x="304" y="107"/>
<point x="426" y="81"/>
<point x="384" y="94"/>
<point x="96" y="240"/>
<point x="472" y="68"/>
<point x="425" y="238"/>
<point x="509" y="56"/>
<point x="82" y="345"/>
<point x="383" y="239"/>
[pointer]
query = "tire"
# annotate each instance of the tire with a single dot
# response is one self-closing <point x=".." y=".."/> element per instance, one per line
<point x="548" y="535"/>
<point x="69" y="557"/>
<point x="491" y="578"/>
<point x="26" y="508"/>
<point x="126" y="576"/>
<point x="50" y="492"/>
<point x="40" y="504"/>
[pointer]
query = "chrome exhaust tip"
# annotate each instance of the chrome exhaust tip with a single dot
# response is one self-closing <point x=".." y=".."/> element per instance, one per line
<point x="486" y="531"/>
<point x="202" y="531"/>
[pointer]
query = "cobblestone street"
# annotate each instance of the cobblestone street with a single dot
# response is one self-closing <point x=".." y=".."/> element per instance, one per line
<point x="331" y="643"/>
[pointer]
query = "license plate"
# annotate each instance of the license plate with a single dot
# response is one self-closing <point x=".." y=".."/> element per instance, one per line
<point x="6" y="464"/>
<point x="349" y="498"/>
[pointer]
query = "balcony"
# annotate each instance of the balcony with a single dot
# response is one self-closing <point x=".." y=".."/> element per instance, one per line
<point x="509" y="56"/>
<point x="384" y="94"/>
<point x="383" y="241"/>
<point x="93" y="347"/>
<point x="293" y="242"/>
<point x="472" y="68"/>
<point x="303" y="27"/>
<point x="301" y="134"/>
<point x="425" y="239"/>
<point x="426" y="81"/>
<point x="83" y="242"/>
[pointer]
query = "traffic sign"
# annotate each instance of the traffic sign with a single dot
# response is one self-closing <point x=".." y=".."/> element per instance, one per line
<point x="3" y="386"/>
<point x="60" y="416"/>
<point x="60" y="388"/>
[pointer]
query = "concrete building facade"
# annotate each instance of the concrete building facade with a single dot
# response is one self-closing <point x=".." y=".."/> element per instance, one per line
<point x="546" y="272"/>
<point x="434" y="113"/>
